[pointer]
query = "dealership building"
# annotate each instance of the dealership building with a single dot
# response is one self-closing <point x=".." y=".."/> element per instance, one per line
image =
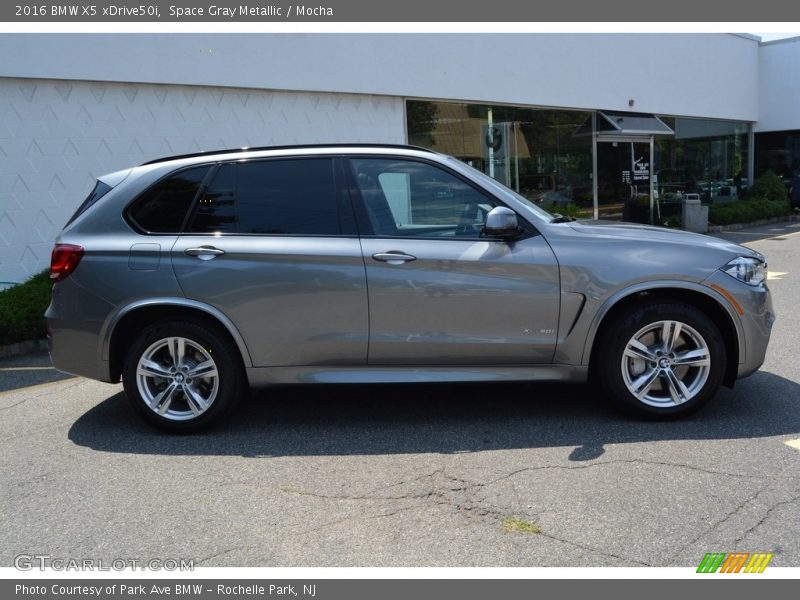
<point x="618" y="126"/>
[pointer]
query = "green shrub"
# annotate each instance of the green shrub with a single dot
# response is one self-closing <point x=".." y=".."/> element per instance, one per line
<point x="746" y="211"/>
<point x="22" y="310"/>
<point x="768" y="187"/>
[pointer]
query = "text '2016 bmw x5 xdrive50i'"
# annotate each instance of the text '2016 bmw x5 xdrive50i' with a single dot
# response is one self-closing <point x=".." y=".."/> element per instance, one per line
<point x="194" y="277"/>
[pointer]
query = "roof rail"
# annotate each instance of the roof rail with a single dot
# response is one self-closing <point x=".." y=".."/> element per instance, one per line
<point x="294" y="147"/>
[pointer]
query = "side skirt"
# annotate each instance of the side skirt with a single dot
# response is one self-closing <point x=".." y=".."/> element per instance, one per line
<point x="262" y="376"/>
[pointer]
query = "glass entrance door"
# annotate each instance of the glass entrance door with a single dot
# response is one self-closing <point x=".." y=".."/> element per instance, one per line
<point x="623" y="180"/>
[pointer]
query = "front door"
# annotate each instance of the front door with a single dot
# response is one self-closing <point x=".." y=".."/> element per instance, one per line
<point x="439" y="292"/>
<point x="623" y="189"/>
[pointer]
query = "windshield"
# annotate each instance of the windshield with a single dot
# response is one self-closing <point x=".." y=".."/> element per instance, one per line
<point x="499" y="187"/>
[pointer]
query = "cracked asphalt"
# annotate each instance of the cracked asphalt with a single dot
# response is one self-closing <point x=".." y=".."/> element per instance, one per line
<point x="421" y="475"/>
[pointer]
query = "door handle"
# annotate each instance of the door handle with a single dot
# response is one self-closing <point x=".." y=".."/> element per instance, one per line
<point x="204" y="252"/>
<point x="393" y="257"/>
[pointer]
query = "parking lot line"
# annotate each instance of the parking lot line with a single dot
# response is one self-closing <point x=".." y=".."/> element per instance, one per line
<point x="793" y="443"/>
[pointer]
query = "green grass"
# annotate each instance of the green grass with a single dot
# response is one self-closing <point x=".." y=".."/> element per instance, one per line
<point x="518" y="524"/>
<point x="22" y="310"/>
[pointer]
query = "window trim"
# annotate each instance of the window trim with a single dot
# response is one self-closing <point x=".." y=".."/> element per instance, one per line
<point x="365" y="229"/>
<point x="351" y="211"/>
<point x="210" y="175"/>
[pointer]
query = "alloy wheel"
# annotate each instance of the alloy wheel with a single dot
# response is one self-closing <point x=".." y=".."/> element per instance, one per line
<point x="666" y="364"/>
<point x="177" y="378"/>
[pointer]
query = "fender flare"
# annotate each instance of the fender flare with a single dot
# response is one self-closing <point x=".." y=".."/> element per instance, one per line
<point x="113" y="320"/>
<point x="626" y="292"/>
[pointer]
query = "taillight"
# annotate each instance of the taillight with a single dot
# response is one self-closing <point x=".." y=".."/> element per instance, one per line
<point x="63" y="261"/>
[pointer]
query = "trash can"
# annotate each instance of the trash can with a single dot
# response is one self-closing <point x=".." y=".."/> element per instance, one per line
<point x="695" y="215"/>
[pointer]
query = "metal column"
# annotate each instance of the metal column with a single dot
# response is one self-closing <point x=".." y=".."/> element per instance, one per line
<point x="751" y="155"/>
<point x="595" y="191"/>
<point x="652" y="175"/>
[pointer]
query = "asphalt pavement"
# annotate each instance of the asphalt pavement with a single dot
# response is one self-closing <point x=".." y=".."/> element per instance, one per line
<point x="421" y="475"/>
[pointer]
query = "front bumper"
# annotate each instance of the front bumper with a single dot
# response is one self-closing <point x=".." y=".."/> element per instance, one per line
<point x="752" y="311"/>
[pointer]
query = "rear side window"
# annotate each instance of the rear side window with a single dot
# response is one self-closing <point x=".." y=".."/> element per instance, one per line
<point x="278" y="197"/>
<point x="100" y="190"/>
<point x="163" y="207"/>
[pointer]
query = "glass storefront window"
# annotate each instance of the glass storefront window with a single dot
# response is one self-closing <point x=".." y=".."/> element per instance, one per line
<point x="705" y="157"/>
<point x="546" y="156"/>
<point x="534" y="152"/>
<point x="779" y="152"/>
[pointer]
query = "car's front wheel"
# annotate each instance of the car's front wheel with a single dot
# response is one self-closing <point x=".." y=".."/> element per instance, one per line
<point x="182" y="376"/>
<point x="661" y="361"/>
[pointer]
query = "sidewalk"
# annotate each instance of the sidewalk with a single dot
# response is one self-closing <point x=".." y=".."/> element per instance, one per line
<point x="762" y="232"/>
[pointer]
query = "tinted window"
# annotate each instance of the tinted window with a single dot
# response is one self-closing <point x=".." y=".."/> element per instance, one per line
<point x="280" y="197"/>
<point x="405" y="198"/>
<point x="162" y="208"/>
<point x="216" y="210"/>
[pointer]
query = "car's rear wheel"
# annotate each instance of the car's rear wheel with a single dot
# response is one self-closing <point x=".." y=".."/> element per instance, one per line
<point x="661" y="361"/>
<point x="182" y="376"/>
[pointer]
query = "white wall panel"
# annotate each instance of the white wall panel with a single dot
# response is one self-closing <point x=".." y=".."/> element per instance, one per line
<point x="779" y="82"/>
<point x="701" y="75"/>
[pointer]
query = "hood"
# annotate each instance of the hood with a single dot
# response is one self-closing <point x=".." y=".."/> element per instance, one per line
<point x="661" y="235"/>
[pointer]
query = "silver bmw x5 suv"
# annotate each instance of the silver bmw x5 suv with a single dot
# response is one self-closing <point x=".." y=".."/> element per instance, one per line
<point x="193" y="277"/>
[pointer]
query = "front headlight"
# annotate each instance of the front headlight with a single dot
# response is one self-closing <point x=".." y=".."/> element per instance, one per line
<point x="751" y="271"/>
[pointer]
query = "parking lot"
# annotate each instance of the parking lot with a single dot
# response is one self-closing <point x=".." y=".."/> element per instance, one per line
<point x="423" y="475"/>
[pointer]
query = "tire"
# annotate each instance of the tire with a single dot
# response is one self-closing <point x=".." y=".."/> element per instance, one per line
<point x="663" y="361"/>
<point x="195" y="392"/>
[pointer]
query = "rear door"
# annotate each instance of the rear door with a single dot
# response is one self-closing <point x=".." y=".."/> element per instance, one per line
<point x="441" y="293"/>
<point x="269" y="244"/>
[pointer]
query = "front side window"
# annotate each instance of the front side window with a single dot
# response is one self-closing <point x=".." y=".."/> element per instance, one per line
<point x="403" y="198"/>
<point x="278" y="197"/>
<point x="163" y="207"/>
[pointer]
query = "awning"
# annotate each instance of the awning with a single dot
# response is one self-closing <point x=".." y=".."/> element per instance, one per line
<point x="624" y="124"/>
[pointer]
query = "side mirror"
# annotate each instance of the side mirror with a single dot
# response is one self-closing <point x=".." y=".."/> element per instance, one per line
<point x="501" y="222"/>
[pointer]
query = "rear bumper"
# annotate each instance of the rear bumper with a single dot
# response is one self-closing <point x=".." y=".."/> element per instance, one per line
<point x="74" y="332"/>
